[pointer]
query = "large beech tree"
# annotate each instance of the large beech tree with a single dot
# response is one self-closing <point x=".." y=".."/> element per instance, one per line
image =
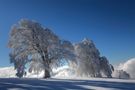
<point x="29" y="42"/>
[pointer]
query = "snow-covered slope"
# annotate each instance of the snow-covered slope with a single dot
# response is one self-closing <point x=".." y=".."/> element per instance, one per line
<point x="6" y="72"/>
<point x="62" y="80"/>
<point x="9" y="72"/>
<point x="66" y="84"/>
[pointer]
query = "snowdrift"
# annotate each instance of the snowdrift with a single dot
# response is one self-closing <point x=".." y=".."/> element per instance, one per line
<point x="6" y="72"/>
<point x="10" y="72"/>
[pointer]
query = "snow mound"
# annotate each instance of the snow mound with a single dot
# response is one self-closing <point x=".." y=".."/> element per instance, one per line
<point x="129" y="67"/>
<point x="6" y="72"/>
<point x="63" y="72"/>
<point x="10" y="72"/>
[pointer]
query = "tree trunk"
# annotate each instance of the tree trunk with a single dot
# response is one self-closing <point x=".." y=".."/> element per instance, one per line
<point x="47" y="73"/>
<point x="47" y="64"/>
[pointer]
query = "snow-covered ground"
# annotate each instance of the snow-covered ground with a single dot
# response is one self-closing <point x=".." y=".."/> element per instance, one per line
<point x="61" y="81"/>
<point x="66" y="84"/>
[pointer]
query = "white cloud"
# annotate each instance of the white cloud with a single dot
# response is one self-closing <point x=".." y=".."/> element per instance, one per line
<point x="129" y="67"/>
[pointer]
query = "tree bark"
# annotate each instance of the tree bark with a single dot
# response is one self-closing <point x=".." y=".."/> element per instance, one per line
<point x="47" y="64"/>
<point x="47" y="73"/>
<point x="46" y="69"/>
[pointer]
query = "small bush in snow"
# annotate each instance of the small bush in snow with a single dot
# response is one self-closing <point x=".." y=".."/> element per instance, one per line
<point x="121" y="74"/>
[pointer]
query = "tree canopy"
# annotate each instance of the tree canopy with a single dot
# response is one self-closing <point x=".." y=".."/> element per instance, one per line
<point x="32" y="43"/>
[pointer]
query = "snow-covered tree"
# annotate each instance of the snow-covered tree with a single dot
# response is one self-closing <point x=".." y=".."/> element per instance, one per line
<point x="105" y="68"/>
<point x="36" y="65"/>
<point x="87" y="58"/>
<point x="121" y="74"/>
<point x="29" y="38"/>
<point x="90" y="63"/>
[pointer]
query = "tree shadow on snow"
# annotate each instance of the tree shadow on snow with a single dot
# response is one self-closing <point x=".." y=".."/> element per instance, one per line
<point x="56" y="84"/>
<point x="109" y="84"/>
<point x="36" y="84"/>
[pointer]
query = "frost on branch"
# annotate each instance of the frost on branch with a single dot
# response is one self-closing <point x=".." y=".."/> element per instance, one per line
<point x="90" y="63"/>
<point x="105" y="68"/>
<point x="29" y="38"/>
<point x="32" y="43"/>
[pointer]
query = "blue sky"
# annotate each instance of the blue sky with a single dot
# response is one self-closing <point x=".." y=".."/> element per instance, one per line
<point x="109" y="23"/>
